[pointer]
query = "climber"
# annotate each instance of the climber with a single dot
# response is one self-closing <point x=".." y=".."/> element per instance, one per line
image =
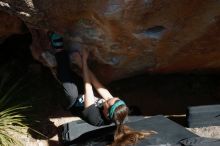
<point x="105" y="110"/>
<point x="96" y="111"/>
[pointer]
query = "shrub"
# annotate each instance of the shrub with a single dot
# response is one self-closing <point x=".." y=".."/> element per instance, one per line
<point x="12" y="122"/>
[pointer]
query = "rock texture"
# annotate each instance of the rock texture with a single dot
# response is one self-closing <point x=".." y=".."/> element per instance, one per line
<point x="130" y="37"/>
<point x="10" y="24"/>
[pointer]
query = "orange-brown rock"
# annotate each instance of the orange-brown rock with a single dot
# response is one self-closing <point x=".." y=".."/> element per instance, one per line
<point x="130" y="37"/>
<point x="10" y="24"/>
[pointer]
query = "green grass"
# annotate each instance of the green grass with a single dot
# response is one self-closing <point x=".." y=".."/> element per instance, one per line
<point x="13" y="122"/>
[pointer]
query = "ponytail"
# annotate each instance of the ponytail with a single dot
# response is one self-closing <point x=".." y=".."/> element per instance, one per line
<point x="124" y="135"/>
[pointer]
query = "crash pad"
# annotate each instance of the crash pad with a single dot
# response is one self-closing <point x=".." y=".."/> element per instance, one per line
<point x="168" y="132"/>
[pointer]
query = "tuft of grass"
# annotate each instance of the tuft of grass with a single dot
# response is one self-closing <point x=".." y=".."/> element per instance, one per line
<point x="13" y="123"/>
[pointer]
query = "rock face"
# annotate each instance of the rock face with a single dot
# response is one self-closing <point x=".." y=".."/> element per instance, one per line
<point x="10" y="24"/>
<point x="130" y="37"/>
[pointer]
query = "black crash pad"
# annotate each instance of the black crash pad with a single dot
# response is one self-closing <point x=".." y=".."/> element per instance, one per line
<point x="201" y="116"/>
<point x="168" y="133"/>
<point x="72" y="130"/>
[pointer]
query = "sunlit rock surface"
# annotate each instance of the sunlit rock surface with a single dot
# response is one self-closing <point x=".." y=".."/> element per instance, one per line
<point x="129" y="37"/>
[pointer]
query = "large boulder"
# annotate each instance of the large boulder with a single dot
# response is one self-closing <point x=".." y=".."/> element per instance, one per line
<point x="130" y="37"/>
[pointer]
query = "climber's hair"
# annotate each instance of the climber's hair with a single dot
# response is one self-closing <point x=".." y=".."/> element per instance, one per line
<point x="124" y="135"/>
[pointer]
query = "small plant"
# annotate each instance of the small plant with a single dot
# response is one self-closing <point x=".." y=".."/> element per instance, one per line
<point x="12" y="121"/>
<point x="11" y="124"/>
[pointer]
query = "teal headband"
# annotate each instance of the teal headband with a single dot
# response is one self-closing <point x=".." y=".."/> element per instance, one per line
<point x="114" y="106"/>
